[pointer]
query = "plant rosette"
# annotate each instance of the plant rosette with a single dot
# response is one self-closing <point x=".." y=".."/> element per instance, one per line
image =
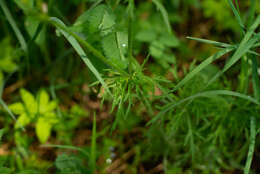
<point x="39" y="110"/>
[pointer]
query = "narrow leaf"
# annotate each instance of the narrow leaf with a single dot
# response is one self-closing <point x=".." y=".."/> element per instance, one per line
<point x="13" y="25"/>
<point x="251" y="145"/>
<point x="201" y="66"/>
<point x="164" y="14"/>
<point x="80" y="52"/>
<point x="236" y="13"/>
<point x="213" y="93"/>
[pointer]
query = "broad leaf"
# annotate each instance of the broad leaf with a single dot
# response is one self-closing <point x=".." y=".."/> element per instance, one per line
<point x="17" y="108"/>
<point x="22" y="120"/>
<point x="51" y="106"/>
<point x="43" y="130"/>
<point x="43" y="100"/>
<point x="29" y="101"/>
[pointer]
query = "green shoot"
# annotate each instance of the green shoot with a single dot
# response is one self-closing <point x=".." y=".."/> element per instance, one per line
<point x="251" y="145"/>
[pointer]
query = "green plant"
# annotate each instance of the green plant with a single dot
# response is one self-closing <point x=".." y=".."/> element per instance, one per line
<point x="243" y="49"/>
<point x="39" y="110"/>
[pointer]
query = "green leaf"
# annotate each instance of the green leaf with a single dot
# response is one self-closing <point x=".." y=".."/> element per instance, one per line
<point x="122" y="43"/>
<point x="43" y="130"/>
<point x="156" y="49"/>
<point x="29" y="101"/>
<point x="201" y="66"/>
<point x="61" y="27"/>
<point x="51" y="106"/>
<point x="212" y="93"/>
<point x="236" y="13"/>
<point x="146" y="35"/>
<point x="164" y="14"/>
<point x="7" y="65"/>
<point x="68" y="147"/>
<point x="244" y="46"/>
<point x="22" y="120"/>
<point x="252" y="10"/>
<point x="107" y="23"/>
<point x="43" y="99"/>
<point x="32" y="24"/>
<point x="110" y="48"/>
<point x="50" y="117"/>
<point x="169" y="40"/>
<point x="215" y="43"/>
<point x="251" y="145"/>
<point x="90" y="20"/>
<point x="13" y="25"/>
<point x="112" y="51"/>
<point x="99" y="18"/>
<point x="25" y="5"/>
<point x="17" y="108"/>
<point x="7" y="56"/>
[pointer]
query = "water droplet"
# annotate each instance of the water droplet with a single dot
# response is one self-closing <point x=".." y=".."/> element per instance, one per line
<point x="108" y="161"/>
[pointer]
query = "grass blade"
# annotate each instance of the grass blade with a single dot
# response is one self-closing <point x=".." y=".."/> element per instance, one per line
<point x="244" y="46"/>
<point x="164" y="14"/>
<point x="67" y="147"/>
<point x="130" y="33"/>
<point x="4" y="105"/>
<point x="224" y="45"/>
<point x="213" y="93"/>
<point x="236" y="13"/>
<point x="201" y="66"/>
<point x="80" y="52"/>
<point x="251" y="145"/>
<point x="242" y="49"/>
<point x="13" y="25"/>
<point x="251" y="15"/>
<point x="215" y="43"/>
